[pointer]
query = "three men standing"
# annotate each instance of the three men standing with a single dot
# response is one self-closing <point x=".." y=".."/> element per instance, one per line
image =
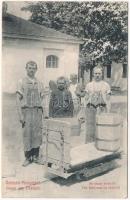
<point x="29" y="102"/>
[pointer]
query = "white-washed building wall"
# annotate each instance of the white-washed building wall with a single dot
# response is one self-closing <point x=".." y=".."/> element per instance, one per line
<point x="16" y="52"/>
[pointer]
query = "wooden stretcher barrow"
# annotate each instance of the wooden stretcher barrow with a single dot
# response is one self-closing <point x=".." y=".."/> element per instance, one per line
<point x="64" y="160"/>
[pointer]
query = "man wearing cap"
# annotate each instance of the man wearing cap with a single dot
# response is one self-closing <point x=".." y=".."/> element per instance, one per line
<point x="29" y="102"/>
<point x="97" y="101"/>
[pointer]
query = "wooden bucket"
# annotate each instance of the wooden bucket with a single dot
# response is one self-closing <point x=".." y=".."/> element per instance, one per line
<point x="108" y="130"/>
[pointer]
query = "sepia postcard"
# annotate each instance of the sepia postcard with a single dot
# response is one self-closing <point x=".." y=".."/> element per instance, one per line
<point x="64" y="99"/>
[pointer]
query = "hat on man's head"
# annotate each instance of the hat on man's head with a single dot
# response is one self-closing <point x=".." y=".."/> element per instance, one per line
<point x="61" y="78"/>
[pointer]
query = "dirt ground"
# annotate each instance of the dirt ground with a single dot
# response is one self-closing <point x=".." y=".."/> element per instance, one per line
<point x="112" y="184"/>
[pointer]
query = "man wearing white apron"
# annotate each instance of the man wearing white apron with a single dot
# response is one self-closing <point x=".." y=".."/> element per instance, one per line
<point x="97" y="100"/>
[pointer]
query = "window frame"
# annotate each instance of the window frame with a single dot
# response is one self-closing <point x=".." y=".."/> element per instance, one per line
<point x="52" y="61"/>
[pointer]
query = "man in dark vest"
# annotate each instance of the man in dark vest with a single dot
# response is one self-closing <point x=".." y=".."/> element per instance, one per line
<point x="61" y="104"/>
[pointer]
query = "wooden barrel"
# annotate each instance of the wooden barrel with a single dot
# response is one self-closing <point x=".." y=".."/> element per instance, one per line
<point x="108" y="130"/>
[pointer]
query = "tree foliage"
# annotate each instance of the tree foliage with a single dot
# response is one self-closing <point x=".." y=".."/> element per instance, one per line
<point x="101" y="25"/>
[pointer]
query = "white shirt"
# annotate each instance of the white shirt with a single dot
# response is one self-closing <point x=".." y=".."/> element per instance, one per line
<point x="72" y="89"/>
<point x="94" y="88"/>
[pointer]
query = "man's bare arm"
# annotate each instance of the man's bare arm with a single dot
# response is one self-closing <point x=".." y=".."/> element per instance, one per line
<point x="18" y="102"/>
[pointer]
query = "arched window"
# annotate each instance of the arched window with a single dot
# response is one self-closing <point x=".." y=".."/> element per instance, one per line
<point x="51" y="61"/>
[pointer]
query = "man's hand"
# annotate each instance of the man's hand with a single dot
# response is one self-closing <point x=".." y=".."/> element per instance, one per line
<point x="22" y="121"/>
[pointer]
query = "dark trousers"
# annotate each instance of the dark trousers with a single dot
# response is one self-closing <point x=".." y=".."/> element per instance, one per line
<point x="32" y="152"/>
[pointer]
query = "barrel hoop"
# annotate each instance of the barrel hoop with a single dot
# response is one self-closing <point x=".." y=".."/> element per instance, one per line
<point x="108" y="125"/>
<point x="116" y="140"/>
